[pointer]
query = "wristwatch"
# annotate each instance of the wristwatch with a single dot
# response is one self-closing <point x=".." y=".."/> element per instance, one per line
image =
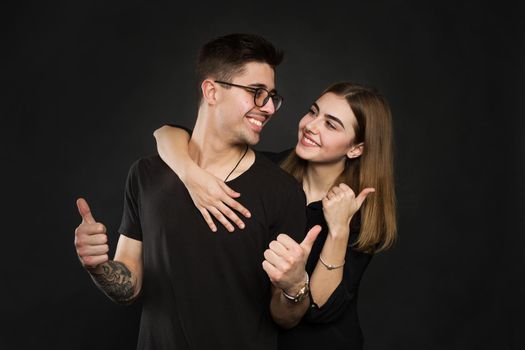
<point x="303" y="292"/>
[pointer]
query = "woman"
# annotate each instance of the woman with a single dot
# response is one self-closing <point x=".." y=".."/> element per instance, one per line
<point x="344" y="144"/>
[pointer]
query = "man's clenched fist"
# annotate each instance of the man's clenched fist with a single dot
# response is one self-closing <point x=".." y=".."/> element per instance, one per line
<point x="90" y="238"/>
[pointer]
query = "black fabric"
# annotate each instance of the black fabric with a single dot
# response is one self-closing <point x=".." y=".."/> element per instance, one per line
<point x="205" y="290"/>
<point x="336" y="323"/>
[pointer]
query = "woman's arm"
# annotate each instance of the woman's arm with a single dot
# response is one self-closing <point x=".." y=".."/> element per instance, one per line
<point x="339" y="206"/>
<point x="209" y="193"/>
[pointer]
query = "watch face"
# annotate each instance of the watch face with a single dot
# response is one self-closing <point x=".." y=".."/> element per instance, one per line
<point x="300" y="298"/>
<point x="302" y="294"/>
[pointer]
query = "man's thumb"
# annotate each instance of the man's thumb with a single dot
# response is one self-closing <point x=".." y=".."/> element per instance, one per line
<point x="85" y="212"/>
<point x="310" y="238"/>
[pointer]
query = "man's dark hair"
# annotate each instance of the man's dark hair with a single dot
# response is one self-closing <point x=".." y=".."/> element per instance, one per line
<point x="225" y="57"/>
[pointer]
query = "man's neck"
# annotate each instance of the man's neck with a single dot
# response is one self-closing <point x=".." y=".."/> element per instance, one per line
<point x="210" y="149"/>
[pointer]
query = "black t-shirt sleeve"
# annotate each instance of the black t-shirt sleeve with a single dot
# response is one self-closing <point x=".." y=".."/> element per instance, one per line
<point x="346" y="291"/>
<point x="130" y="225"/>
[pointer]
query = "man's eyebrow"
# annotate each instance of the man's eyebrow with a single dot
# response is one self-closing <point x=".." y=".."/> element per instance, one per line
<point x="315" y="105"/>
<point x="259" y="85"/>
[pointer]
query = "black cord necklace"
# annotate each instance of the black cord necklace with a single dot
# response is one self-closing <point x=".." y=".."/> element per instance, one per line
<point x="236" y="165"/>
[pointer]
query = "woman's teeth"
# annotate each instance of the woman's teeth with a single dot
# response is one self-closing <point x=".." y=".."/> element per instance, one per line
<point x="310" y="142"/>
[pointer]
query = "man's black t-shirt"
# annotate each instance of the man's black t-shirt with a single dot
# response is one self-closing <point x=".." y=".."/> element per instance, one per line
<point x="206" y="290"/>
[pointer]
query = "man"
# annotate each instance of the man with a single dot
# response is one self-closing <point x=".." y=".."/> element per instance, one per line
<point x="203" y="289"/>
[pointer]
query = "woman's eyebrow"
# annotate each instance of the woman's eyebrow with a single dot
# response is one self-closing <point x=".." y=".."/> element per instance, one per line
<point x="335" y="119"/>
<point x="329" y="116"/>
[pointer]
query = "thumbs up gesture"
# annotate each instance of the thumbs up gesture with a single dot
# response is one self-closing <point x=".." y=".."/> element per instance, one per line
<point x="285" y="260"/>
<point x="90" y="238"/>
<point x="339" y="206"/>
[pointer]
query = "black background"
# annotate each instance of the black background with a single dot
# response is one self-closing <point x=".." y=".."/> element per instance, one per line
<point x="87" y="82"/>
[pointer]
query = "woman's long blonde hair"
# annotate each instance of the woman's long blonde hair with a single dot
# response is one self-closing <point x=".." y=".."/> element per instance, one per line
<point x="374" y="168"/>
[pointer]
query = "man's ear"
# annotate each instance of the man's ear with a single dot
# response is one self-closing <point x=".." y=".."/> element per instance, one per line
<point x="209" y="91"/>
<point x="356" y="150"/>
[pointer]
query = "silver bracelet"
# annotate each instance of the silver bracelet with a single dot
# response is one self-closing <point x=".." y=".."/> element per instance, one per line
<point x="329" y="266"/>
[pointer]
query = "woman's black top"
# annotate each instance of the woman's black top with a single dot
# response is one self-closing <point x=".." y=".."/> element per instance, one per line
<point x="335" y="325"/>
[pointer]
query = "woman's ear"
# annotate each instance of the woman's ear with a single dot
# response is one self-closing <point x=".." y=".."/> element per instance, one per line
<point x="355" y="150"/>
<point x="208" y="91"/>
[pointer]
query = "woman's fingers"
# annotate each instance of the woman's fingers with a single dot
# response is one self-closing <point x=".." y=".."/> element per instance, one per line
<point x="225" y="210"/>
<point x="232" y="203"/>
<point x="227" y="189"/>
<point x="219" y="216"/>
<point x="345" y="188"/>
<point x="336" y="190"/>
<point x="218" y="200"/>
<point x="208" y="219"/>
<point x="330" y="194"/>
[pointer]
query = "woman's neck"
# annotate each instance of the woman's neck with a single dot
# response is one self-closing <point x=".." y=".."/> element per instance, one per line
<point x="319" y="178"/>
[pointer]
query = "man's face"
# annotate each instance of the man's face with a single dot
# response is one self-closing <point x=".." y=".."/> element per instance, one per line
<point x="239" y="117"/>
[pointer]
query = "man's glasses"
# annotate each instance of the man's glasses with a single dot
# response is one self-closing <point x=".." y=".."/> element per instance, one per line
<point x="261" y="96"/>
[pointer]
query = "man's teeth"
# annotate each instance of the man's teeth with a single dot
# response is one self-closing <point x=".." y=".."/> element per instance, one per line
<point x="255" y="121"/>
<point x="310" y="142"/>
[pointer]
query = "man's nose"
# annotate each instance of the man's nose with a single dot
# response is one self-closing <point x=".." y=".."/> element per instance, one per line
<point x="268" y="108"/>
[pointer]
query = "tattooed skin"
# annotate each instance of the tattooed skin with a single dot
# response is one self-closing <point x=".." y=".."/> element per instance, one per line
<point x="115" y="281"/>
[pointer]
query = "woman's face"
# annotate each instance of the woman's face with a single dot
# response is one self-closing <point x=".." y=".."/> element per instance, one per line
<point x="326" y="132"/>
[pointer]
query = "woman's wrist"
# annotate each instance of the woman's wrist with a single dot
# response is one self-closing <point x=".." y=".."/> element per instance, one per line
<point x="339" y="232"/>
<point x="186" y="169"/>
<point x="334" y="250"/>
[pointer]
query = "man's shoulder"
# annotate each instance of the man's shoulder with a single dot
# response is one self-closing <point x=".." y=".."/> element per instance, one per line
<point x="148" y="164"/>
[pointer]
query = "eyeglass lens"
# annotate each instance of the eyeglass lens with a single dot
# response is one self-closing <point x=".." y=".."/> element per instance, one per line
<point x="262" y="97"/>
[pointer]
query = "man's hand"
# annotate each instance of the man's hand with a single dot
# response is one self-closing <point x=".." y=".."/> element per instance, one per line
<point x="285" y="260"/>
<point x="90" y="238"/>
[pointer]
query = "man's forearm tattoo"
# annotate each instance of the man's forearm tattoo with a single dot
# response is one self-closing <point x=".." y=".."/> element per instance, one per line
<point x="116" y="281"/>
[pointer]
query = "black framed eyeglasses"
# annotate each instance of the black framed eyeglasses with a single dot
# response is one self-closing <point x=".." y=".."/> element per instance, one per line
<point x="261" y="96"/>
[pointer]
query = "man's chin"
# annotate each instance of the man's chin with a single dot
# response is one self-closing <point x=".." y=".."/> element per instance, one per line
<point x="252" y="139"/>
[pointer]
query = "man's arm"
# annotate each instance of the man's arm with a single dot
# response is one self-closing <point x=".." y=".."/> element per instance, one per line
<point x="285" y="262"/>
<point x="285" y="312"/>
<point x="120" y="279"/>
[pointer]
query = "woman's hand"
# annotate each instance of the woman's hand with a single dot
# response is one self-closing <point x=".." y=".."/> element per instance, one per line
<point x="209" y="194"/>
<point x="339" y="206"/>
<point x="212" y="196"/>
